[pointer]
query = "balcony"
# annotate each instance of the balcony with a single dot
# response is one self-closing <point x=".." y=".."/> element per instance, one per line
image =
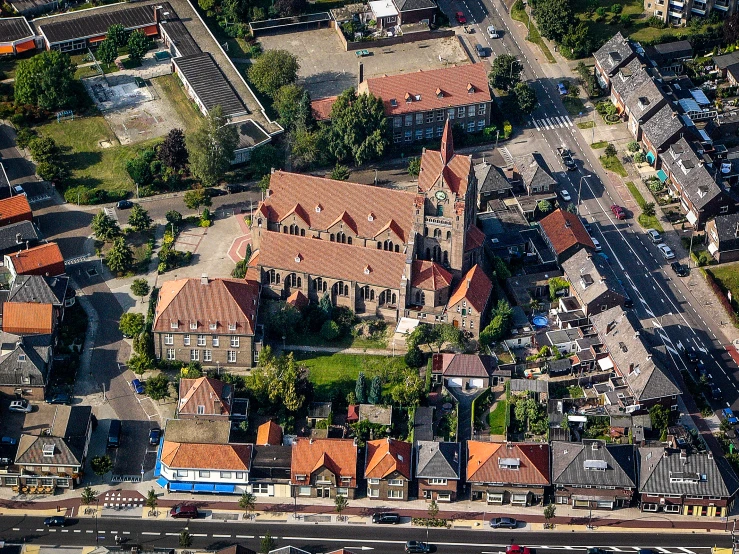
<point x="444" y="221"/>
<point x="723" y="6"/>
<point x="700" y="9"/>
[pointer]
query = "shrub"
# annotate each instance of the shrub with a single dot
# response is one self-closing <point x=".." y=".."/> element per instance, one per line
<point x="414" y="357"/>
<point x="330" y="330"/>
<point x="610" y="150"/>
<point x="632" y="146"/>
<point x="639" y="157"/>
<point x="625" y="20"/>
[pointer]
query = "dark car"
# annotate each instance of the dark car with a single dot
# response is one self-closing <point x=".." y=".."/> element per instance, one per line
<point x="124" y="205"/>
<point x="598" y="551"/>
<point x="388" y="518"/>
<point x="55" y="521"/>
<point x="715" y="392"/>
<point x="646" y="551"/>
<point x="503" y="523"/>
<point x="61" y="398"/>
<point x="212" y="192"/>
<point x="154" y="436"/>
<point x="184" y="511"/>
<point x="481" y="51"/>
<point x="417" y="546"/>
<point x="680" y="269"/>
<point x="137" y="386"/>
<point x="233" y="188"/>
<point x="690" y="354"/>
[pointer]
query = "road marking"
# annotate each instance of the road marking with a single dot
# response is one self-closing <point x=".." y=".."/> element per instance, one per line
<point x="222" y="536"/>
<point x="16" y="528"/>
<point x="40" y="530"/>
<point x="152" y="533"/>
<point x="172" y="534"/>
<point x="77" y="531"/>
<point x="199" y="535"/>
<point x="244" y="536"/>
<point x="65" y="530"/>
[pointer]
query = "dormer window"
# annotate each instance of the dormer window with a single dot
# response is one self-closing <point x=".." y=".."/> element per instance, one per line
<point x="367" y="270"/>
<point x="439" y="93"/>
<point x="298" y="258"/>
<point x="231" y="326"/>
<point x="213" y="326"/>
<point x="408" y="97"/>
<point x="371" y="217"/>
<point x="318" y="209"/>
<point x="174" y="324"/>
<point x="393" y="102"/>
<point x="194" y="325"/>
<point x="470" y="88"/>
<point x="21" y="357"/>
<point x="417" y="97"/>
<point x="48" y="450"/>
<point x="702" y="191"/>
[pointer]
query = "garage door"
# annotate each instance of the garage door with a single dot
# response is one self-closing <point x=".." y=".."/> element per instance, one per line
<point x="454" y="382"/>
<point x="477" y="383"/>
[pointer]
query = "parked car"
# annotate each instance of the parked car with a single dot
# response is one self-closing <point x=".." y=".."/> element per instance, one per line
<point x="618" y="211"/>
<point x="9" y="440"/>
<point x="137" y="386"/>
<point x="628" y="302"/>
<point x="598" y="551"/>
<point x="21" y="406"/>
<point x="587" y="226"/>
<point x="154" y="436"/>
<point x="715" y="392"/>
<point x="503" y="523"/>
<point x="213" y="192"/>
<point x="124" y="205"/>
<point x="690" y="353"/>
<point x="562" y="89"/>
<point x="386" y="518"/>
<point x="55" y="521"/>
<point x="680" y="269"/>
<point x="417" y="546"/>
<point x="565" y="195"/>
<point x="596" y="243"/>
<point x="654" y="236"/>
<point x="666" y="251"/>
<point x="461" y="19"/>
<point x="61" y="398"/>
<point x="184" y="511"/>
<point x="233" y="188"/>
<point x="729" y="416"/>
<point x="566" y="156"/>
<point x="493" y="33"/>
<point x="481" y="51"/>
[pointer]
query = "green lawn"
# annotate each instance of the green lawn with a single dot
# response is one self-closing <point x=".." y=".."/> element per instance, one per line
<point x="613" y="163"/>
<point x="600" y="144"/>
<point x="586" y="125"/>
<point x="172" y="87"/>
<point x="496" y="418"/>
<point x="574" y="105"/>
<point x="534" y="36"/>
<point x="646" y="221"/>
<point x="90" y="71"/>
<point x="727" y="277"/>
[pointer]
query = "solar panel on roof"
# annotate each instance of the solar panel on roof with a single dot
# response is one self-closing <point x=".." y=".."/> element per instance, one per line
<point x="600" y="465"/>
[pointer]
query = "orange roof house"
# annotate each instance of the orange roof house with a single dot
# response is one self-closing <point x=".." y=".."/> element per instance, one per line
<point x="14" y="210"/>
<point x="45" y="260"/>
<point x="430" y="275"/>
<point x="336" y="458"/>
<point x="223" y="457"/>
<point x="387" y="458"/>
<point x="444" y="165"/>
<point x="204" y="398"/>
<point x="321" y="108"/>
<point x="28" y="318"/>
<point x="269" y="433"/>
<point x="565" y="234"/>
<point x="475" y="288"/>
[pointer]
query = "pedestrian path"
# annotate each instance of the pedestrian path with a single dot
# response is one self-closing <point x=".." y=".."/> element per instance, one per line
<point x="555" y="122"/>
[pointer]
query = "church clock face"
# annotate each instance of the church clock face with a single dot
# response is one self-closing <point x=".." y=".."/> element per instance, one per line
<point x="441" y="195"/>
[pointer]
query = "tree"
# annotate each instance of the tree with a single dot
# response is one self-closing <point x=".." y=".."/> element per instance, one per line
<point x="610" y="150"/>
<point x="131" y="324"/>
<point x="185" y="539"/>
<point x="340" y="172"/>
<point x="639" y="157"/>
<point x="446" y="333"/>
<point x="103" y="227"/>
<point x="649" y="209"/>
<point x="660" y="417"/>
<point x="304" y="118"/>
<point x="407" y="392"/>
<point x="138" y="45"/>
<point x="525" y="98"/>
<point x="247" y="502"/>
<point x="340" y="503"/>
<point x="101" y="465"/>
<point x="505" y="73"/>
<point x="330" y="330"/>
<point x="495" y="330"/>
<point x="211" y="148"/>
<point x="151" y="500"/>
<point x="107" y="52"/>
<point x="414" y="357"/>
<point x="290" y="7"/>
<point x="140" y="288"/>
<point x="193" y="370"/>
<point x="358" y="128"/>
<point x="44" y="149"/>
<point x="554" y="18"/>
<point x="88" y="496"/>
<point x="174" y="217"/>
<point x="731" y="29"/>
<point x="360" y="388"/>
<point x="139" y="168"/>
<point x="120" y="256"/>
<point x="173" y="151"/>
<point x="265" y="158"/>
<point x="139" y="218"/>
<point x="549" y="513"/>
<point x="375" y="392"/>
<point x="632" y="146"/>
<point x="195" y="198"/>
<point x="117" y="34"/>
<point x="578" y="40"/>
<point x="414" y="166"/>
<point x="544" y="206"/>
<point x="305" y="147"/>
<point x="46" y="80"/>
<point x="49" y="171"/>
<point x="433" y="510"/>
<point x="283" y="321"/>
<point x="272" y="70"/>
<point x="287" y="104"/>
<point x="267" y="544"/>
<point x="157" y="387"/>
<point x="140" y="363"/>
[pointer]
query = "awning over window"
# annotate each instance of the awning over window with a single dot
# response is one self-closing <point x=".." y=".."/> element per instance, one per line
<point x="175" y="486"/>
<point x="225" y="488"/>
<point x="162" y="482"/>
<point x="204" y="487"/>
<point x="662" y="176"/>
<point x="650" y="157"/>
<point x="691" y="217"/>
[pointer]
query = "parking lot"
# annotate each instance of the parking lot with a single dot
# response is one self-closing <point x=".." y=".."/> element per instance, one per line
<point x="326" y="69"/>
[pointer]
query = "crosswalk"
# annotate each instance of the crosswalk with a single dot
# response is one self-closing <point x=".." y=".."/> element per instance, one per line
<point x="555" y="122"/>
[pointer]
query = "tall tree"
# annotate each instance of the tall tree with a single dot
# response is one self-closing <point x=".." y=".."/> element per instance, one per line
<point x="358" y="127"/>
<point x="140" y="288"/>
<point x="103" y="227"/>
<point x="107" y="52"/>
<point x="211" y="147"/>
<point x="138" y="46"/>
<point x="46" y="80"/>
<point x="340" y="503"/>
<point x="88" y="496"/>
<point x="305" y="117"/>
<point x="157" y="387"/>
<point x="287" y="104"/>
<point x="525" y="98"/>
<point x="117" y="34"/>
<point x="173" y="151"/>
<point x="265" y="158"/>
<point x="101" y="465"/>
<point x="360" y="388"/>
<point x="272" y="70"/>
<point x="139" y="218"/>
<point x="151" y="500"/>
<point x="195" y="198"/>
<point x="247" y="502"/>
<point x="120" y="256"/>
<point x="375" y="392"/>
<point x="290" y="7"/>
<point x="554" y="18"/>
<point x="267" y="544"/>
<point x="505" y="72"/>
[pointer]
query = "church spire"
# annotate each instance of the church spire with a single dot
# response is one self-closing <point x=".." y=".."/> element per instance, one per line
<point x="447" y="143"/>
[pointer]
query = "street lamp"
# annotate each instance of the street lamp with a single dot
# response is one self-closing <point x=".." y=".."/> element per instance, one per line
<point x="579" y="189"/>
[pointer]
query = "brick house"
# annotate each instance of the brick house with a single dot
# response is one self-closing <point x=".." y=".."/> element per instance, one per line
<point x="468" y="307"/>
<point x="25" y="365"/>
<point x="388" y="469"/>
<point x="324" y="468"/>
<point x="612" y="56"/>
<point x="45" y="260"/>
<point x="204" y="398"/>
<point x="463" y="370"/>
<point x="438" y="470"/>
<point x="660" y="131"/>
<point x="593" y="282"/>
<point x="723" y="238"/>
<point x="565" y="234"/>
<point x="14" y="210"/>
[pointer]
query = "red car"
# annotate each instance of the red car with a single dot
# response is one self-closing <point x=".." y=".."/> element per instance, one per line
<point x="516" y="549"/>
<point x="618" y="211"/>
<point x="461" y="19"/>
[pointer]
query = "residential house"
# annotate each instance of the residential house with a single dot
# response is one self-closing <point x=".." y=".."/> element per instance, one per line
<point x="34" y="289"/>
<point x="522" y="330"/>
<point x="318" y="411"/>
<point x="467" y="371"/>
<point x="324" y="468"/>
<point x="270" y="466"/>
<point x="17" y="236"/>
<point x="685" y="482"/>
<point x="29" y="318"/>
<point x="492" y="184"/>
<point x="45" y="260"/>
<point x="204" y="398"/>
<point x="669" y="57"/>
<point x="438" y="470"/>
<point x="14" y="210"/>
<point x="593" y="282"/>
<point x="660" y="131"/>
<point x="626" y="81"/>
<point x="416" y="11"/>
<point x="593" y="474"/>
<point x="269" y="434"/>
<point x="467" y="308"/>
<point x="701" y="197"/>
<point x="723" y="237"/>
<point x="423" y="423"/>
<point x="25" y="365"/>
<point x="641" y="381"/>
<point x="388" y="469"/>
<point x="616" y="53"/>
<point x="212" y="321"/>
<point x="565" y="234"/>
<point x="644" y="102"/>
<point x="197" y="456"/>
<point x="533" y="287"/>
<point x="417" y="104"/>
<point x="530" y="170"/>
<point x="507" y="473"/>
<point x="54" y="456"/>
<point x="235" y="549"/>
<point x="724" y="62"/>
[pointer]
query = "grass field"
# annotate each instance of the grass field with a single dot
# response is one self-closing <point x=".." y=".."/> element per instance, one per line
<point x="186" y="109"/>
<point x="727" y="276"/>
<point x="646" y="221"/>
<point x="612" y="163"/>
<point x="574" y="105"/>
<point x="600" y="144"/>
<point x="496" y="418"/>
<point x="534" y="36"/>
<point x="586" y="125"/>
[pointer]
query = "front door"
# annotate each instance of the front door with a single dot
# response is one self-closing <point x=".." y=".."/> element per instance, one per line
<point x="323" y="492"/>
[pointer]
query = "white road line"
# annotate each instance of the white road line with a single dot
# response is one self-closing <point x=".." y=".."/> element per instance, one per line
<point x="150" y="533"/>
<point x="40" y="530"/>
<point x="16" y="528"/>
<point x="244" y="536"/>
<point x="569" y="121"/>
<point x="199" y="535"/>
<point x="222" y="536"/>
<point x="89" y="531"/>
<point x="77" y="531"/>
<point x="536" y="124"/>
<point x="65" y="530"/>
<point x="172" y="534"/>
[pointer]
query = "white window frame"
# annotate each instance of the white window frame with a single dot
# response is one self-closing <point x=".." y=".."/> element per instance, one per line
<point x="231" y="326"/>
<point x="232" y="356"/>
<point x="450" y="113"/>
<point x="182" y="472"/>
<point x="395" y="482"/>
<point x="201" y="340"/>
<point x="225" y="475"/>
<point x="395" y="494"/>
<point x="215" y="341"/>
<point x="207" y="355"/>
<point x="194" y="355"/>
<point x="481" y="109"/>
<point x="168" y="339"/>
<point x="204" y="473"/>
<point x="186" y="340"/>
<point x="460" y="112"/>
<point x="171" y="354"/>
<point x="373" y="481"/>
<point x="470" y="111"/>
<point x="194" y="326"/>
<point x="235" y="341"/>
<point x="373" y="493"/>
<point x="304" y="491"/>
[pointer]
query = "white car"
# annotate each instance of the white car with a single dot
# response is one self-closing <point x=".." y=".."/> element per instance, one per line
<point x="565" y="195"/>
<point x="666" y="251"/>
<point x="654" y="236"/>
<point x="597" y="245"/>
<point x="492" y="33"/>
<point x="20" y="406"/>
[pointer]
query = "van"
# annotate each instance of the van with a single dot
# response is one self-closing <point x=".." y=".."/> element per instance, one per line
<point x="386" y="518"/>
<point x="114" y="434"/>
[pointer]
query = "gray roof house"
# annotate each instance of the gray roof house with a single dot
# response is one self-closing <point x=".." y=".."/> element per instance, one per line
<point x="628" y="79"/>
<point x="25" y="363"/>
<point x="661" y="130"/>
<point x="423" y="423"/>
<point x="723" y="237"/>
<point x="491" y="182"/>
<point x="685" y="482"/>
<point x="641" y="381"/>
<point x="593" y="282"/>
<point x="38" y="289"/>
<point x="535" y="177"/>
<point x="17" y="236"/>
<point x="438" y="469"/>
<point x="593" y="474"/>
<point x="613" y="55"/>
<point x="642" y="104"/>
<point x="669" y="56"/>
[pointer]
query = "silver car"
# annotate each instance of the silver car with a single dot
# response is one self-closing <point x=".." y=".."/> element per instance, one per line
<point x="666" y="251"/>
<point x="21" y="406"/>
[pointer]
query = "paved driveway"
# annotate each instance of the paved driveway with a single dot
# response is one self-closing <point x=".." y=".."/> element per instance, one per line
<point x="464" y="401"/>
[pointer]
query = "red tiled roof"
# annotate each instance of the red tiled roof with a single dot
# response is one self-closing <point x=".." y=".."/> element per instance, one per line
<point x="222" y="302"/>
<point x="475" y="287"/>
<point x="352" y="414"/>
<point x="207" y="392"/>
<point x="387" y="456"/>
<point x="45" y="260"/>
<point x="297" y="299"/>
<point x="444" y="164"/>
<point x="565" y="230"/>
<point x="483" y="463"/>
<point x="311" y="455"/>
<point x="233" y="457"/>
<point x="324" y="202"/>
<point x="452" y="81"/>
<point x="462" y="365"/>
<point x="475" y="238"/>
<point x="28" y="318"/>
<point x="429" y="275"/>
<point x="269" y="434"/>
<point x="15" y="209"/>
<point x="331" y="259"/>
<point x="321" y="108"/>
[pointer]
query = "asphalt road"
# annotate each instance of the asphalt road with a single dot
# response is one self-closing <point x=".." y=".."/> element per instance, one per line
<point x="325" y="538"/>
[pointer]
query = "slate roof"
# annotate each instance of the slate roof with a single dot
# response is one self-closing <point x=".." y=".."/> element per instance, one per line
<point x="568" y="464"/>
<point x="319" y="409"/>
<point x="662" y="127"/>
<point x="644" y="99"/>
<point x="463" y="365"/>
<point x="565" y="230"/>
<point x="475" y="287"/>
<point x="689" y="173"/>
<point x="675" y="49"/>
<point x="532" y="171"/>
<point x="35" y="288"/>
<point x="727" y="228"/>
<point x="428" y="275"/>
<point x="629" y="78"/>
<point x="410" y="5"/>
<point x="337" y="455"/>
<point x="490" y="178"/>
<point x="438" y="460"/>
<point x="614" y="53"/>
<point x="660" y="468"/>
<point x="209" y="83"/>
<point x="590" y="276"/>
<point x="31" y="452"/>
<point x="271" y="462"/>
<point x="726" y="60"/>
<point x="178" y="35"/>
<point x="16" y="236"/>
<point x="387" y="456"/>
<point x="423" y="423"/>
<point x="214" y="395"/>
<point x="646" y="379"/>
<point x="487" y="463"/>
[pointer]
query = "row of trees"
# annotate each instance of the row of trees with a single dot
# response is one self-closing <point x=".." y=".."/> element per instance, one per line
<point x="116" y="38"/>
<point x="505" y="75"/>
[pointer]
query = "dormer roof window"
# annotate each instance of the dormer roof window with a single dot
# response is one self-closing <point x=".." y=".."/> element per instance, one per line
<point x="439" y="93"/>
<point x="298" y="258"/>
<point x="393" y="102"/>
<point x="370" y="217"/>
<point x="367" y="270"/>
<point x="408" y="97"/>
<point x="318" y="208"/>
<point x="470" y="88"/>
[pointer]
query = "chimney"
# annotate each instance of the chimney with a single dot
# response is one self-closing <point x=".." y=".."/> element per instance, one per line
<point x="631" y="368"/>
<point x="736" y="231"/>
<point x="204" y="279"/>
<point x="361" y="73"/>
<point x="683" y="454"/>
<point x="156" y="14"/>
<point x="710" y="455"/>
<point x="18" y="238"/>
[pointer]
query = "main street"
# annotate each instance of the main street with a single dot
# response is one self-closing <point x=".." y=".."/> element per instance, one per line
<point x="325" y="538"/>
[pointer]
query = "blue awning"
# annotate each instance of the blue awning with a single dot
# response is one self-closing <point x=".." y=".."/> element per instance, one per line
<point x="225" y="488"/>
<point x="650" y="157"/>
<point x="203" y="487"/>
<point x="175" y="486"/>
<point x="162" y="482"/>
<point x="661" y="175"/>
